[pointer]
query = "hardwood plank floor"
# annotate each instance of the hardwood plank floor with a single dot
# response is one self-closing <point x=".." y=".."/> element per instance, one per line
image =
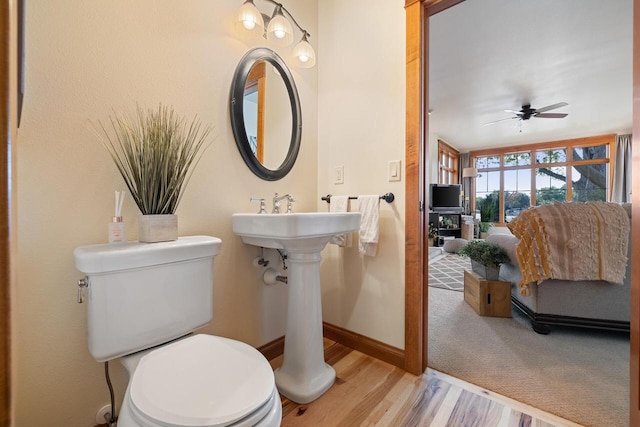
<point x="369" y="392"/>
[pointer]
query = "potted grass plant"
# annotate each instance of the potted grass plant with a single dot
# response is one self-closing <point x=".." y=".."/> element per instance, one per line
<point x="155" y="151"/>
<point x="486" y="216"/>
<point x="486" y="258"/>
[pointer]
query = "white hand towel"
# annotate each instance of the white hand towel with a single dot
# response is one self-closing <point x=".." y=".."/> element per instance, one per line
<point x="340" y="204"/>
<point x="369" y="207"/>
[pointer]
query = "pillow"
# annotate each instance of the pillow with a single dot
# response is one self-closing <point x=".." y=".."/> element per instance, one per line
<point x="498" y="230"/>
<point x="453" y="246"/>
<point x="508" y="242"/>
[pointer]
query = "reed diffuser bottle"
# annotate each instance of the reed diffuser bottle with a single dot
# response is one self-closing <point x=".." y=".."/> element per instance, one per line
<point x="117" y="227"/>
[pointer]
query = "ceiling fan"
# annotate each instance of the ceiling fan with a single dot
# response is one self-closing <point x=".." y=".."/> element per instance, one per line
<point x="527" y="113"/>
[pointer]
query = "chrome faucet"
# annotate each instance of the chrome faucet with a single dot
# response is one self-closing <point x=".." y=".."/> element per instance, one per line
<point x="276" y="203"/>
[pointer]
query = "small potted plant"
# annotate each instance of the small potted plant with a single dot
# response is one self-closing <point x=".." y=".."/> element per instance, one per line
<point x="155" y="152"/>
<point x="486" y="216"/>
<point x="433" y="234"/>
<point x="486" y="258"/>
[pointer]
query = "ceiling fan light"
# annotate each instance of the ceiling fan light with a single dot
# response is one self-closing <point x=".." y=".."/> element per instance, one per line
<point x="249" y="18"/>
<point x="280" y="30"/>
<point x="304" y="53"/>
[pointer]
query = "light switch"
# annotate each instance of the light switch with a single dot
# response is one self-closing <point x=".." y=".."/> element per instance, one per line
<point x="394" y="170"/>
<point x="338" y="175"/>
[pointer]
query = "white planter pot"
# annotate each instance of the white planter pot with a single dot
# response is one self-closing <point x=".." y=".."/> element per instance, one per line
<point x="157" y="228"/>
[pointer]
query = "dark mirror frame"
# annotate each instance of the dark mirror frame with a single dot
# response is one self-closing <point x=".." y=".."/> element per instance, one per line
<point x="237" y="113"/>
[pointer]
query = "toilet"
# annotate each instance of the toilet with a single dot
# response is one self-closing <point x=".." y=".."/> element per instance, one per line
<point x="144" y="301"/>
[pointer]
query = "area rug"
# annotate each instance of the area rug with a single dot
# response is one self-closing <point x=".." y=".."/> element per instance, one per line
<point x="435" y="252"/>
<point x="577" y="374"/>
<point x="447" y="271"/>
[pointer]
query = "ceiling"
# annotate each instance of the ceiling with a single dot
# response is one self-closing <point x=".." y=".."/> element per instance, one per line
<point x="486" y="56"/>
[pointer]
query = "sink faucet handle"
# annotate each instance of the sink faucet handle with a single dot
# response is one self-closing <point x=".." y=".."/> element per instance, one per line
<point x="262" y="206"/>
<point x="290" y="201"/>
<point x="276" y="204"/>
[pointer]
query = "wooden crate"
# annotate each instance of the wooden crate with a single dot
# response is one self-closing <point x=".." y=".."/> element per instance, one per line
<point x="487" y="297"/>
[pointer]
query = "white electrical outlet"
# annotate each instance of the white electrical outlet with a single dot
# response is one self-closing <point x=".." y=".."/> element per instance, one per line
<point x="338" y="175"/>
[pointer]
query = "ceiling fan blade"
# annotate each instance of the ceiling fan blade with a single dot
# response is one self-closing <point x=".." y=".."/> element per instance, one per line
<point x="551" y="115"/>
<point x="514" y="112"/>
<point x="501" y="120"/>
<point x="551" y="107"/>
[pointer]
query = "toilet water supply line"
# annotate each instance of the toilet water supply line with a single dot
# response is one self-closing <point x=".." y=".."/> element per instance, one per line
<point x="111" y="417"/>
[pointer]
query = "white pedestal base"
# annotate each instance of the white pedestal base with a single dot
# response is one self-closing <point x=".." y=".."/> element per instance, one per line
<point x="305" y="391"/>
<point x="304" y="376"/>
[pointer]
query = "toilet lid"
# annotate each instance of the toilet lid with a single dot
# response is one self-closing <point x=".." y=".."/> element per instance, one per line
<point x="201" y="381"/>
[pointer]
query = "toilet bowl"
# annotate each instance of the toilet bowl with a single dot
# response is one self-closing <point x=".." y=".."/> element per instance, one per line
<point x="144" y="302"/>
<point x="201" y="380"/>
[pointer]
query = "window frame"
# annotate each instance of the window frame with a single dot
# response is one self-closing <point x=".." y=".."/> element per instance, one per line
<point x="448" y="168"/>
<point x="568" y="144"/>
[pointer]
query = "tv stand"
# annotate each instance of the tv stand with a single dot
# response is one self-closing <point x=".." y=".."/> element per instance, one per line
<point x="449" y="226"/>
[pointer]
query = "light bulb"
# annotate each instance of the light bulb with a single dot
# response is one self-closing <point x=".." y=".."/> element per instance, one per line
<point x="304" y="53"/>
<point x="250" y="18"/>
<point x="279" y="30"/>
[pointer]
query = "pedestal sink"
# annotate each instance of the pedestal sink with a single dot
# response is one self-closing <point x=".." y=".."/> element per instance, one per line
<point x="304" y="376"/>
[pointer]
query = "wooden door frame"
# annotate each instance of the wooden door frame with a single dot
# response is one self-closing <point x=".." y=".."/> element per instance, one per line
<point x="5" y="217"/>
<point x="416" y="159"/>
<point x="416" y="152"/>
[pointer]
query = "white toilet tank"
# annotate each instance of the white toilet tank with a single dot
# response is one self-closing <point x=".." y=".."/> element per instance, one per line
<point x="144" y="294"/>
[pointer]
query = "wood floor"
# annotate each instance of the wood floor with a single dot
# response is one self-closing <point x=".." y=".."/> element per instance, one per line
<point x="369" y="392"/>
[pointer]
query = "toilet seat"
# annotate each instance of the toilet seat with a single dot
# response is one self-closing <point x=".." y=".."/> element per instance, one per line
<point x="202" y="381"/>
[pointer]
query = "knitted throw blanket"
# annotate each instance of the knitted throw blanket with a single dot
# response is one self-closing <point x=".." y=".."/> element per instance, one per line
<point x="571" y="241"/>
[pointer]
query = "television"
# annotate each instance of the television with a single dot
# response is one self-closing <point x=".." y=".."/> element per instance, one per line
<point x="445" y="198"/>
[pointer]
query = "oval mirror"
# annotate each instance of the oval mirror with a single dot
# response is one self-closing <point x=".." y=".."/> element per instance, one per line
<point x="265" y="114"/>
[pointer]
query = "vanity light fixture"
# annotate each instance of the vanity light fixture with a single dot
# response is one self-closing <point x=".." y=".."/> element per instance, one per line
<point x="279" y="29"/>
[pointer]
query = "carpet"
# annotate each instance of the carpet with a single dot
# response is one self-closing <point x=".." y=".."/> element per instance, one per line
<point x="446" y="271"/>
<point x="577" y="374"/>
<point x="434" y="252"/>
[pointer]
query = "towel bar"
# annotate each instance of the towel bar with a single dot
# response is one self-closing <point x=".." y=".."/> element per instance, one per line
<point x="389" y="197"/>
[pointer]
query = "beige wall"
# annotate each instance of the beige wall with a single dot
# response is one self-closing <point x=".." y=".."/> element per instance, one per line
<point x="83" y="59"/>
<point x="361" y="104"/>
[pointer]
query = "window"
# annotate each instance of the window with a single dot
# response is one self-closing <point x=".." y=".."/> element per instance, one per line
<point x="447" y="164"/>
<point x="538" y="174"/>
<point x="517" y="192"/>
